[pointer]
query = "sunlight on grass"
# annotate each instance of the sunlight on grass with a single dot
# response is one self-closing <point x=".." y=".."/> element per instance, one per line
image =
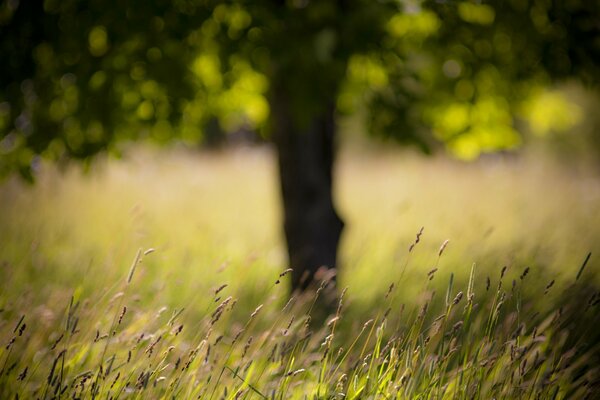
<point x="497" y="212"/>
<point x="455" y="324"/>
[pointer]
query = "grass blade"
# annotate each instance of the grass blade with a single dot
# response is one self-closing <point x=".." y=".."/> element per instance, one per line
<point x="583" y="265"/>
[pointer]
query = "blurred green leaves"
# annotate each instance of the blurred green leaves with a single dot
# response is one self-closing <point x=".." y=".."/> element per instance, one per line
<point x="79" y="77"/>
<point x="417" y="24"/>
<point x="549" y="110"/>
<point x="98" y="41"/>
<point x="474" y="13"/>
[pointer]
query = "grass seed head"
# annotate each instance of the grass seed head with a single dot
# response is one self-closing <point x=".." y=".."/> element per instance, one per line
<point x="217" y="290"/>
<point x="390" y="288"/>
<point x="122" y="315"/>
<point x="136" y="260"/>
<point x="443" y="247"/>
<point x="287" y="328"/>
<point x="256" y="311"/>
<point x="457" y="326"/>
<point x="548" y="286"/>
<point x="23" y="374"/>
<point x="417" y="240"/>
<point x="237" y="336"/>
<point x="281" y="275"/>
<point x="296" y="372"/>
<point x="289" y="302"/>
<point x="458" y="298"/>
<point x="57" y="341"/>
<point x="247" y="346"/>
<point x="19" y="323"/>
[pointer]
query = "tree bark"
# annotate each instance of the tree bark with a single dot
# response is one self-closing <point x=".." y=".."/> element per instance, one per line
<point x="306" y="154"/>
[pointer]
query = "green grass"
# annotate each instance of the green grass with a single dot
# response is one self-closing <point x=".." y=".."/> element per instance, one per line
<point x="110" y="282"/>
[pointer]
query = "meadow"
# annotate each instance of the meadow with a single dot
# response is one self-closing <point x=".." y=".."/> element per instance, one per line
<point x="163" y="275"/>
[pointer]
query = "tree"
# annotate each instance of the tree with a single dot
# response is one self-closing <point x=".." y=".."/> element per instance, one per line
<point x="80" y="77"/>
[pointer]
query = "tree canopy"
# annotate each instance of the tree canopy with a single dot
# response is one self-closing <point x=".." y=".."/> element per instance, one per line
<point x="78" y="77"/>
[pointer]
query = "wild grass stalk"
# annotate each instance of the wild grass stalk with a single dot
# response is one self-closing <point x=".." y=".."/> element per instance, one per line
<point x="464" y="345"/>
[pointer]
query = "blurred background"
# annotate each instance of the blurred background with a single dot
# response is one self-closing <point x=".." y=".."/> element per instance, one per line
<point x="475" y="120"/>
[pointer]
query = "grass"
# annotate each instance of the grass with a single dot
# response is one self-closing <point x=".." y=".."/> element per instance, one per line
<point x="156" y="277"/>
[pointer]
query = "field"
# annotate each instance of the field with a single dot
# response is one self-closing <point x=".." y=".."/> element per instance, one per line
<point x="157" y="277"/>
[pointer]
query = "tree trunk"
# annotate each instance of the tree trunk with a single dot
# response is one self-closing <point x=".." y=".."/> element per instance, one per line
<point x="306" y="153"/>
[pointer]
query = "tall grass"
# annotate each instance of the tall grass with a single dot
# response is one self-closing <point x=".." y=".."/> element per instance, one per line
<point x="508" y="308"/>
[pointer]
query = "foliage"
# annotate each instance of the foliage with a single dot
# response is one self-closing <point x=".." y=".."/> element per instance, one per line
<point x="80" y="77"/>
